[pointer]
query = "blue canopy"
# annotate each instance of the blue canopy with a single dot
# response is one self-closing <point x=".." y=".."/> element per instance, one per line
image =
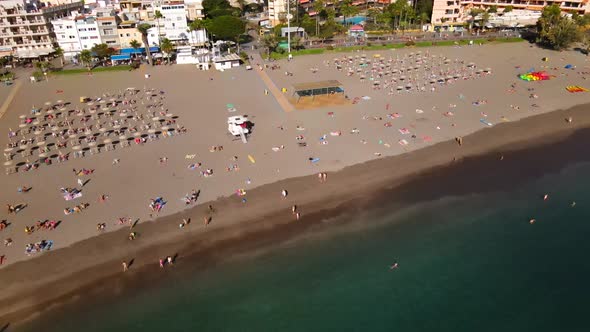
<point x="121" y="57"/>
<point x="140" y="50"/>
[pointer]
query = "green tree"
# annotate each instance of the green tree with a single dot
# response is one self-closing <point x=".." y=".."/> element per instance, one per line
<point x="373" y="13"/>
<point x="423" y="18"/>
<point x="318" y="6"/>
<point x="270" y="42"/>
<point x="586" y="43"/>
<point x="59" y="53"/>
<point x="226" y="27"/>
<point x="158" y="15"/>
<point x="348" y="10"/>
<point x="103" y="51"/>
<point x="216" y="8"/>
<point x="43" y="66"/>
<point x="143" y="28"/>
<point x="493" y="9"/>
<point x="167" y="47"/>
<point x="135" y="44"/>
<point x="474" y="13"/>
<point x="556" y="31"/>
<point x="86" y="58"/>
<point x="485" y="18"/>
<point x="508" y="9"/>
<point x="296" y="43"/>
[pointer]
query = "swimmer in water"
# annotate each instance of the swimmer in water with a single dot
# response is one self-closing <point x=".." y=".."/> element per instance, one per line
<point x="532" y="221"/>
<point x="573" y="204"/>
<point x="546" y="197"/>
<point x="393" y="266"/>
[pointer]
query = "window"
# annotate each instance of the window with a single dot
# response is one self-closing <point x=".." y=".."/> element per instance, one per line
<point x="111" y="42"/>
<point x="83" y="38"/>
<point x="128" y="35"/>
<point x="108" y="32"/>
<point x="120" y="35"/>
<point x="91" y="29"/>
<point x="179" y="18"/>
<point x="72" y="37"/>
<point x="68" y="26"/>
<point x="93" y="37"/>
<point x="82" y="29"/>
<point x="107" y="23"/>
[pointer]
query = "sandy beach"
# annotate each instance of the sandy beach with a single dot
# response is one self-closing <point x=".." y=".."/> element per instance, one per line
<point x="200" y="105"/>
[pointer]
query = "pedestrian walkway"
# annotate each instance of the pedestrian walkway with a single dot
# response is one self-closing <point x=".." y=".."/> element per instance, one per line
<point x="270" y="85"/>
<point x="10" y="97"/>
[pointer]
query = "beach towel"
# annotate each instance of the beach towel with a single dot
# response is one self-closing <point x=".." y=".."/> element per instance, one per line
<point x="252" y="160"/>
<point x="403" y="142"/>
<point x="486" y="122"/>
<point x="69" y="197"/>
<point x="575" y="89"/>
<point x="404" y="131"/>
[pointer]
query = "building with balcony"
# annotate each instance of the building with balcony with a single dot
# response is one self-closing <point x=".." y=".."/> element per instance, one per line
<point x="449" y="12"/>
<point x="194" y="9"/>
<point x="76" y="34"/>
<point x="25" y="26"/>
<point x="127" y="33"/>
<point x="277" y="11"/>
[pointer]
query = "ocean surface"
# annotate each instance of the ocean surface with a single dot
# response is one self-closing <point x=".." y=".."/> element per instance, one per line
<point x="466" y="263"/>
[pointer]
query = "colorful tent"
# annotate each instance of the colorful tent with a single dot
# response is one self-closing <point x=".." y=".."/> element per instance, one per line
<point x="575" y="88"/>
<point x="535" y="76"/>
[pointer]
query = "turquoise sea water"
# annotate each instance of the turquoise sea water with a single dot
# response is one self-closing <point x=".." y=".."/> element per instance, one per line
<point x="468" y="263"/>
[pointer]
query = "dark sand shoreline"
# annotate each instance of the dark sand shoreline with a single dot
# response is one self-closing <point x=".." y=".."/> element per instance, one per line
<point x="540" y="144"/>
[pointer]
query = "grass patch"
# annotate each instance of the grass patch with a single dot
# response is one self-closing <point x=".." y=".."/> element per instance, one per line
<point x="277" y="56"/>
<point x="95" y="70"/>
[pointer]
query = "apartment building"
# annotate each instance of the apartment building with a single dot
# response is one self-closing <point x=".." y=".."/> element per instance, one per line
<point x="277" y="11"/>
<point x="128" y="32"/>
<point x="76" y="34"/>
<point x="194" y="9"/>
<point x="457" y="11"/>
<point x="109" y="33"/>
<point x="25" y="26"/>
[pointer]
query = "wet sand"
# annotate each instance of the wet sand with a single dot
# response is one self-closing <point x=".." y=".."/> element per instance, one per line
<point x="530" y="147"/>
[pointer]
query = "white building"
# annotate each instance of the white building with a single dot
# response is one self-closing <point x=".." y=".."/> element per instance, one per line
<point x="172" y="26"/>
<point x="277" y="10"/>
<point x="187" y="55"/>
<point x="76" y="34"/>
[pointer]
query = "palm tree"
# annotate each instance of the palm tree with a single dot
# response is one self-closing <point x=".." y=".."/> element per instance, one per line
<point x="135" y="45"/>
<point x="270" y="43"/>
<point x="167" y="47"/>
<point x="348" y="10"/>
<point x="143" y="29"/>
<point x="318" y="6"/>
<point x="158" y="15"/>
<point x="86" y="58"/>
<point x="59" y="52"/>
<point x="43" y="66"/>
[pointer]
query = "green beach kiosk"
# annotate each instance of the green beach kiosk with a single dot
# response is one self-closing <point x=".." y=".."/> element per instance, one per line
<point x="320" y="88"/>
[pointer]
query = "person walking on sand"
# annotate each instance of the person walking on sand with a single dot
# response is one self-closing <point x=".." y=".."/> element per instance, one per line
<point x="169" y="260"/>
<point x="80" y="182"/>
<point x="297" y="215"/>
<point x="125" y="267"/>
<point x="161" y="263"/>
<point x="207" y="220"/>
<point x="293" y="209"/>
<point x="324" y="177"/>
<point x="284" y="193"/>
